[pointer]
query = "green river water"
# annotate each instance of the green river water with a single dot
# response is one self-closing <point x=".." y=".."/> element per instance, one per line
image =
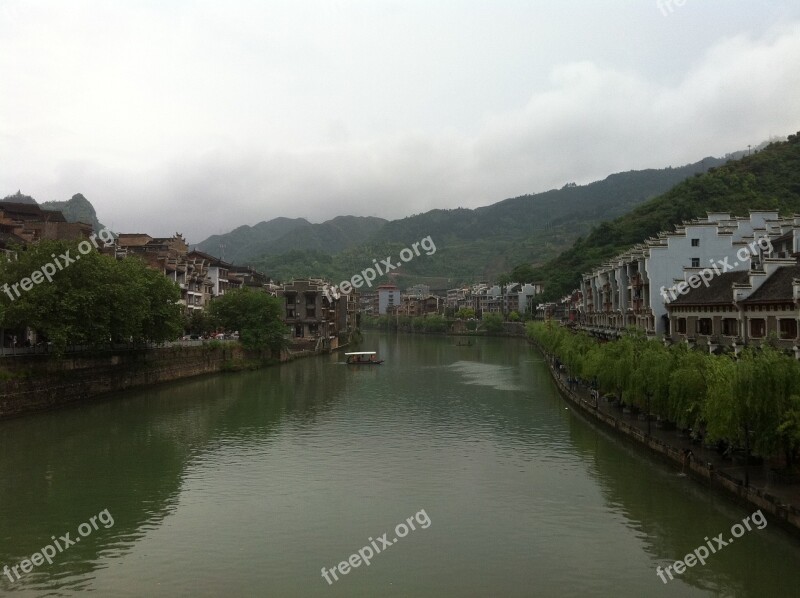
<point x="249" y="484"/>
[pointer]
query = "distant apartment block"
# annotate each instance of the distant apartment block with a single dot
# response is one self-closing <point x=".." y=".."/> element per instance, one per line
<point x="388" y="298"/>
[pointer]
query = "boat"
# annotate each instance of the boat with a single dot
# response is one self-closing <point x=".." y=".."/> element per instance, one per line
<point x="363" y="358"/>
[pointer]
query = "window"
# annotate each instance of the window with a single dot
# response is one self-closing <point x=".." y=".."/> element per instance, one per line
<point x="695" y="242"/>
<point x="704" y="326"/>
<point x="730" y="327"/>
<point x="758" y="328"/>
<point x="681" y="326"/>
<point x="788" y="328"/>
<point x="695" y="262"/>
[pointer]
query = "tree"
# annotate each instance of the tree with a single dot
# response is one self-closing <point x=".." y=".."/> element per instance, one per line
<point x="523" y="274"/>
<point x="465" y="313"/>
<point x="688" y="386"/>
<point x="256" y="315"/>
<point x="648" y="384"/>
<point x="729" y="410"/>
<point x="434" y="323"/>
<point x="87" y="298"/>
<point x="493" y="323"/>
<point x="198" y="322"/>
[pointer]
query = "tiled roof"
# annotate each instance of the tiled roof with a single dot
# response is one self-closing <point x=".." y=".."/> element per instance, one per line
<point x="718" y="292"/>
<point x="777" y="287"/>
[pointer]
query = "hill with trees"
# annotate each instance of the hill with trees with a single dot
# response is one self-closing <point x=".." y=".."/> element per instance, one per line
<point x="766" y="180"/>
<point x="472" y="244"/>
<point x="283" y="235"/>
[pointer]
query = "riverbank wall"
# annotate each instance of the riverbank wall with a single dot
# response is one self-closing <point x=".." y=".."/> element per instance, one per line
<point x="31" y="383"/>
<point x="777" y="510"/>
<point x="459" y="328"/>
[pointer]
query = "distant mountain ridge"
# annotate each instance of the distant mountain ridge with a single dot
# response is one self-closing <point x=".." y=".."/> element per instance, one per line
<point x="281" y="235"/>
<point x="473" y="244"/>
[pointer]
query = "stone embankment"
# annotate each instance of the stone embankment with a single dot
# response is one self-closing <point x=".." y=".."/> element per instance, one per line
<point x="30" y="383"/>
<point x="778" y="501"/>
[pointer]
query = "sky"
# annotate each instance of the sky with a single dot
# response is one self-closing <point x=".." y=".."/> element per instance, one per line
<point x="198" y="117"/>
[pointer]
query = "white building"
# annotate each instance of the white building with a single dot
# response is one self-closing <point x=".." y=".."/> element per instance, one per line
<point x="633" y="288"/>
<point x="388" y="298"/>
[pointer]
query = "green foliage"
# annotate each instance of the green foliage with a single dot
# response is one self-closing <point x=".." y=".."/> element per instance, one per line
<point x="246" y="244"/>
<point x="434" y="323"/>
<point x="471" y="244"/>
<point x="688" y="386"/>
<point x="465" y="313"/>
<point x="257" y="316"/>
<point x="198" y="322"/>
<point x="492" y="323"/>
<point x="514" y="316"/>
<point x="751" y="402"/>
<point x="768" y="180"/>
<point x="93" y="301"/>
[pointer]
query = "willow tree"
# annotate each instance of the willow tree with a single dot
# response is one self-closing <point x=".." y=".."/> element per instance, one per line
<point x="611" y="364"/>
<point x="742" y="406"/>
<point x="649" y="382"/>
<point x="776" y="378"/>
<point x="789" y="431"/>
<point x="688" y="386"/>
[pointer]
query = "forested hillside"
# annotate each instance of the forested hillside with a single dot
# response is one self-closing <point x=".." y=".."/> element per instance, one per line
<point x="768" y="179"/>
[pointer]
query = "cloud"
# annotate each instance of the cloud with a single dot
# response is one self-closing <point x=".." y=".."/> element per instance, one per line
<point x="161" y="137"/>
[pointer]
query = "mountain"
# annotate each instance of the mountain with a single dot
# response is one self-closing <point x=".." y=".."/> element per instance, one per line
<point x="242" y="242"/>
<point x="75" y="209"/>
<point x="766" y="180"/>
<point x="481" y="243"/>
<point x="281" y="235"/>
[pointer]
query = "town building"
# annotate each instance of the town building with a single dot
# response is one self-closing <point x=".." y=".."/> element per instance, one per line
<point x="633" y="288"/>
<point x="413" y="306"/>
<point x="741" y="308"/>
<point x="388" y="298"/>
<point x="217" y="271"/>
<point x="22" y="223"/>
<point x="170" y="256"/>
<point x="316" y="319"/>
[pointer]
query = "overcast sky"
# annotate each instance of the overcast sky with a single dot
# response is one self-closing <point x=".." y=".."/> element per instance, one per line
<point x="198" y="117"/>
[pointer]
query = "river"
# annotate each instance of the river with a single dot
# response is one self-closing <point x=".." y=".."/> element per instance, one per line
<point x="249" y="484"/>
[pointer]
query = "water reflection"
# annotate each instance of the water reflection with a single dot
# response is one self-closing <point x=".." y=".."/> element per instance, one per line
<point x="246" y="484"/>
